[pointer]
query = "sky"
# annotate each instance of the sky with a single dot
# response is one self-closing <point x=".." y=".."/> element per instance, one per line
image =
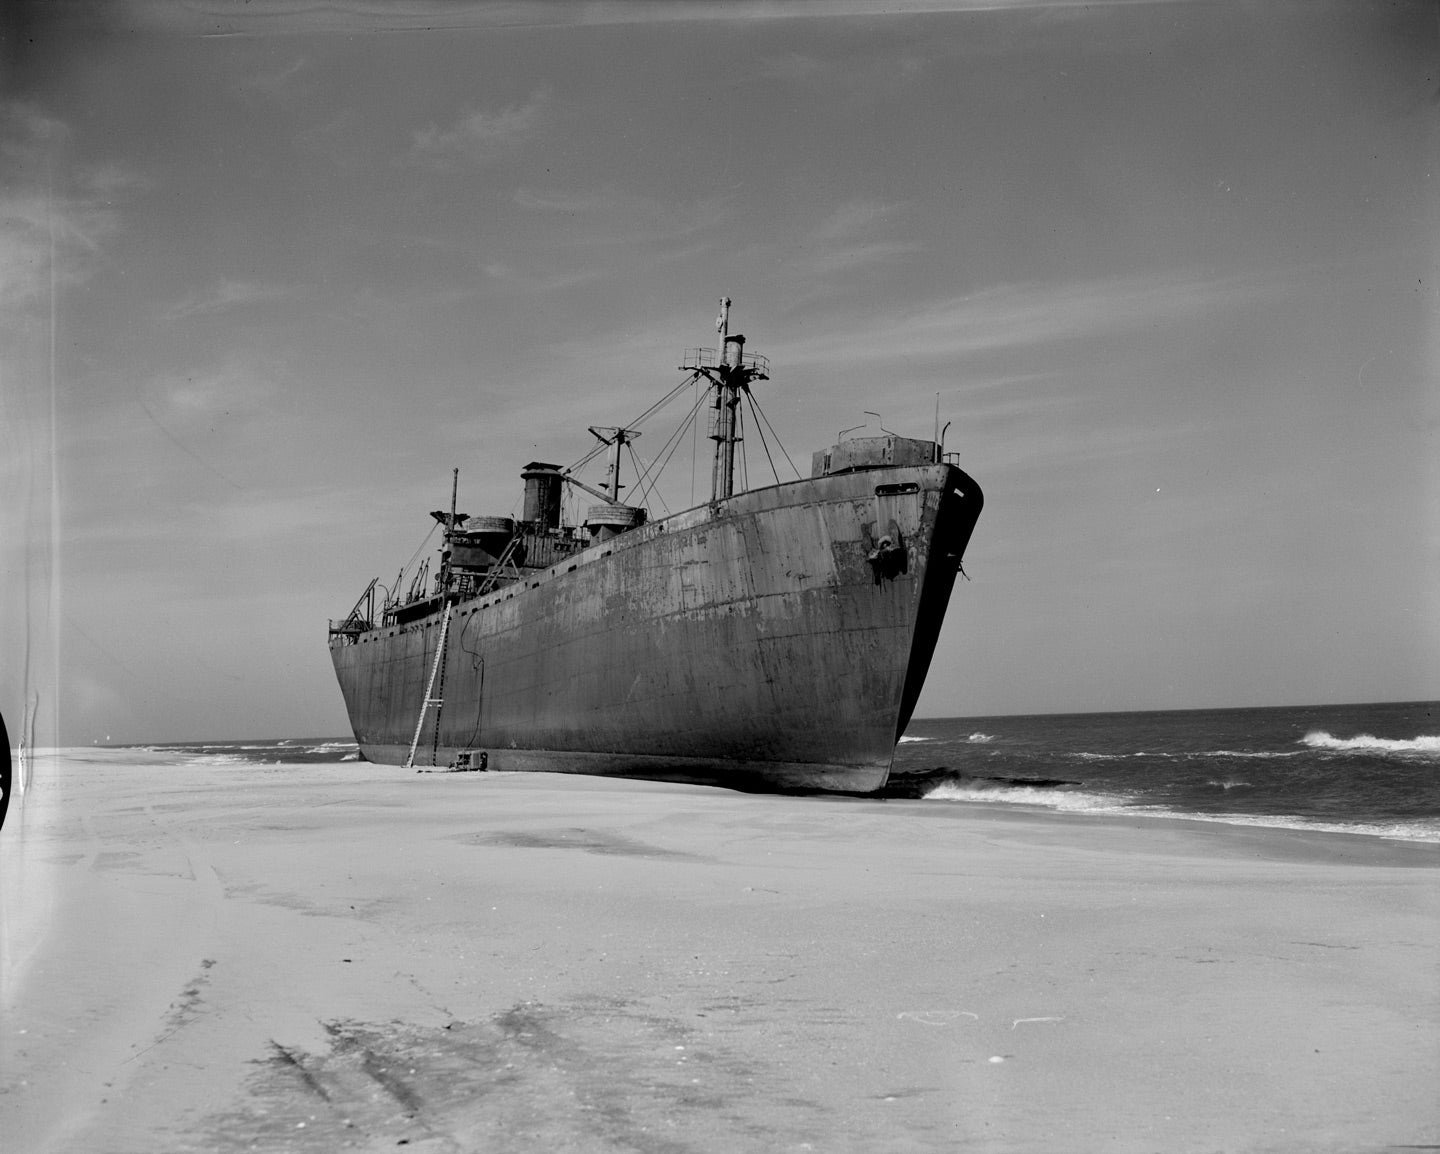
<point x="269" y="272"/>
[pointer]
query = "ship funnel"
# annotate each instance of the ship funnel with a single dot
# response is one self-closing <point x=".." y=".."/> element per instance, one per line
<point x="543" y="486"/>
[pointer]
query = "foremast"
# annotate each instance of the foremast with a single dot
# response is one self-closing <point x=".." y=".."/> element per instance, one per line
<point x="730" y="370"/>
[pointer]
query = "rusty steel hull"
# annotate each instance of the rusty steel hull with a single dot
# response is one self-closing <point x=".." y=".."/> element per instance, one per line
<point x="751" y="642"/>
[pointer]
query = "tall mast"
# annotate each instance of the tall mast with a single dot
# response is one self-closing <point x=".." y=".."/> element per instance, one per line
<point x="722" y="425"/>
<point x="730" y="370"/>
<point x="449" y="535"/>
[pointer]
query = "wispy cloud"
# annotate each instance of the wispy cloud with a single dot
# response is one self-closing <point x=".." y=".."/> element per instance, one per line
<point x="30" y="133"/>
<point x="591" y="200"/>
<point x="53" y="216"/>
<point x="837" y="260"/>
<point x="478" y="135"/>
<point x="110" y="180"/>
<point x="854" y="218"/>
<point x="611" y="215"/>
<point x="275" y="81"/>
<point x="212" y="415"/>
<point x="276" y="18"/>
<point x="1014" y="316"/>
<point x="238" y="386"/>
<point x="791" y="66"/>
<point x="227" y="295"/>
<point x="874" y="74"/>
<point x="538" y="282"/>
<point x="47" y="241"/>
<point x="853" y="235"/>
<point x="268" y="517"/>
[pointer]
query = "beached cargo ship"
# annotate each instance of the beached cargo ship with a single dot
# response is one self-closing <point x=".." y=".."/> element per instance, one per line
<point x="771" y="638"/>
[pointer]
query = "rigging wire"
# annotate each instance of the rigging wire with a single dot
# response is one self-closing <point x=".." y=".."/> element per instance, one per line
<point x="765" y="444"/>
<point x="667" y="451"/>
<point x="639" y="475"/>
<point x="671" y="443"/>
<point x="647" y="478"/>
<point x="406" y="567"/>
<point x="661" y="403"/>
<point x="760" y="414"/>
<point x="634" y="423"/>
<point x="740" y="440"/>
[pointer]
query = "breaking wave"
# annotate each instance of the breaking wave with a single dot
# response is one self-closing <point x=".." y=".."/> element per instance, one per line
<point x="1367" y="743"/>
<point x="972" y="739"/>
<point x="235" y="753"/>
<point x="216" y="759"/>
<point x="1080" y="801"/>
<point x="1076" y="801"/>
<point x="1257" y="754"/>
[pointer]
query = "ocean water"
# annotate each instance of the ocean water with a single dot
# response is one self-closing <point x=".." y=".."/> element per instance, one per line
<point x="1368" y="769"/>
<point x="289" y="750"/>
<point x="1372" y="769"/>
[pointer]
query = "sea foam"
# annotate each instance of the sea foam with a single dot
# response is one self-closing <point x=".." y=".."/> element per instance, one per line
<point x="1367" y="743"/>
<point x="1070" y="800"/>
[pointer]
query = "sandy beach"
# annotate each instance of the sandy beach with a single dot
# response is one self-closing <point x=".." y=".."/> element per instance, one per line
<point x="316" y="958"/>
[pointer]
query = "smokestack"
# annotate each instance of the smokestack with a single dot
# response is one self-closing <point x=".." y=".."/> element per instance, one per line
<point x="543" y="487"/>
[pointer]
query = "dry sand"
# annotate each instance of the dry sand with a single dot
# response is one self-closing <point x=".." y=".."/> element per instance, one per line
<point x="353" y="957"/>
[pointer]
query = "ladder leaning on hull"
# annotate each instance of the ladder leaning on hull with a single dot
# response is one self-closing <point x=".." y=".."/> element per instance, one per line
<point x="428" y="701"/>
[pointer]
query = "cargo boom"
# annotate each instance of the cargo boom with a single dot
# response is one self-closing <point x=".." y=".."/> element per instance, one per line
<point x="773" y="638"/>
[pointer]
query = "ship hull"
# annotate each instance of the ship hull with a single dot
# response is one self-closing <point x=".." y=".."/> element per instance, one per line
<point x="755" y="642"/>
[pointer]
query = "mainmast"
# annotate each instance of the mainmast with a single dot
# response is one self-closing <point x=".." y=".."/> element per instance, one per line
<point x="730" y="372"/>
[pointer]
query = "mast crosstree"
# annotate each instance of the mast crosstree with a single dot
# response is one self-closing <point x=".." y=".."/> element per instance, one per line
<point x="730" y="373"/>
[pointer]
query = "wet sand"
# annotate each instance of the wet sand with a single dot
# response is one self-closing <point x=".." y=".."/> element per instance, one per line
<point x="319" y="958"/>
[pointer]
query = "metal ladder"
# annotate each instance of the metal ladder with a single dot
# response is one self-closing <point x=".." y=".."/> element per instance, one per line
<point x="437" y="702"/>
